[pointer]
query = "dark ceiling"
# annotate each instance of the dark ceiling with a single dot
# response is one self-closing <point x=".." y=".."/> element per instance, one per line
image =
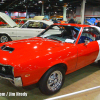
<point x="49" y="5"/>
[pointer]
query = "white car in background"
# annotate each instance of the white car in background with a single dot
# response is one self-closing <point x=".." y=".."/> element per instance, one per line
<point x="30" y="28"/>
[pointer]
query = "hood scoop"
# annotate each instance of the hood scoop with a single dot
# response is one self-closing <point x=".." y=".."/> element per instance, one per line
<point x="4" y="48"/>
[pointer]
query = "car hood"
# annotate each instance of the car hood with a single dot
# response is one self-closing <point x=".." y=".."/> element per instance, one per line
<point x="29" y="48"/>
<point x="34" y="44"/>
<point x="38" y="17"/>
<point x="7" y="19"/>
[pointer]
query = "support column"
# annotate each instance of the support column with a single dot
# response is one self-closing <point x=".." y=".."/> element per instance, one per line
<point x="26" y="12"/>
<point x="42" y="12"/>
<point x="82" y="11"/>
<point x="18" y="14"/>
<point x="64" y="12"/>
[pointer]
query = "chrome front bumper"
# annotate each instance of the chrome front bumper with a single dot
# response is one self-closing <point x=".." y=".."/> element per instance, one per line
<point x="16" y="81"/>
<point x="7" y="72"/>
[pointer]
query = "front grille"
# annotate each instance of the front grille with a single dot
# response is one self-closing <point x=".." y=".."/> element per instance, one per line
<point x="6" y="71"/>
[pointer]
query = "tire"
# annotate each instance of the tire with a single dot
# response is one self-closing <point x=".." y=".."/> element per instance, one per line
<point x="4" y="38"/>
<point x="52" y="80"/>
<point x="98" y="62"/>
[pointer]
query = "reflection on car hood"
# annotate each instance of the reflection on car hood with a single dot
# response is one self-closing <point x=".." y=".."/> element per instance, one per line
<point x="35" y="44"/>
<point x="7" y="19"/>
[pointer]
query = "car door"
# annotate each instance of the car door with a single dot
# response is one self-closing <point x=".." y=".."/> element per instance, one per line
<point x="28" y="30"/>
<point x="24" y="33"/>
<point x="88" y="48"/>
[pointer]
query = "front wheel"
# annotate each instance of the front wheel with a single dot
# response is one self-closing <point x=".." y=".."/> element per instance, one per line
<point x="98" y="62"/>
<point x="52" y="80"/>
<point x="4" y="38"/>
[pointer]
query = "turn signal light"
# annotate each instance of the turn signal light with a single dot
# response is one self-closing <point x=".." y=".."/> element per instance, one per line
<point x="27" y="75"/>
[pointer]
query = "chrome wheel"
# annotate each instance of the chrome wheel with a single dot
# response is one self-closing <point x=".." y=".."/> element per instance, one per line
<point x="3" y="38"/>
<point x="54" y="81"/>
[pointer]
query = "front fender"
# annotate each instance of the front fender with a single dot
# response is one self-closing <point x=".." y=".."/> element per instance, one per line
<point x="56" y="63"/>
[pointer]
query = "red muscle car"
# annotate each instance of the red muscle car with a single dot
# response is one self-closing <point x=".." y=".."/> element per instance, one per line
<point x="45" y="59"/>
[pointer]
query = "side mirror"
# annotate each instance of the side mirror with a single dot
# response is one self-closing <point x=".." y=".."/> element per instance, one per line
<point x="86" y="41"/>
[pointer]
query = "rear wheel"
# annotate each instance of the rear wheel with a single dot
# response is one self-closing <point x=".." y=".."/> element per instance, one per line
<point x="4" y="38"/>
<point x="52" y="80"/>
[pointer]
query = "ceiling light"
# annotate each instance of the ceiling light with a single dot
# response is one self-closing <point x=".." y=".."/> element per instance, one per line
<point x="39" y="1"/>
<point x="60" y="0"/>
<point x="47" y="7"/>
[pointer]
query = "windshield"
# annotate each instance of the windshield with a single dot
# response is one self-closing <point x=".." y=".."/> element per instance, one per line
<point x="63" y="33"/>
